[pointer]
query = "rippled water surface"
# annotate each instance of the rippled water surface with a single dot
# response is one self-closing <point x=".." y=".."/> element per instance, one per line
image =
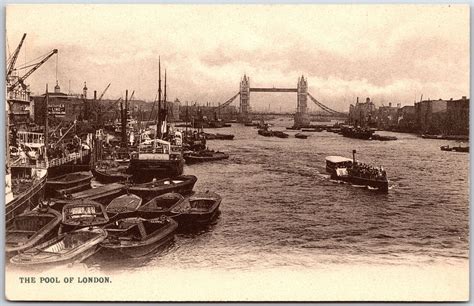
<point x="280" y="209"/>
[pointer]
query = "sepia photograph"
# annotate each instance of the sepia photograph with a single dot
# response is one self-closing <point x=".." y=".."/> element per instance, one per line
<point x="237" y="152"/>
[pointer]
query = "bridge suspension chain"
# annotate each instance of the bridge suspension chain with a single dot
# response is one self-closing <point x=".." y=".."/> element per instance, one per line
<point x="324" y="107"/>
<point x="228" y="102"/>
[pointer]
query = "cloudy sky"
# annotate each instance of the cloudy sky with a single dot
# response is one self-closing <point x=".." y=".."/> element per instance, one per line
<point x="392" y="53"/>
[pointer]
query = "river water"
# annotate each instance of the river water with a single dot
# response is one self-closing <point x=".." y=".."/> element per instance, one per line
<point x="287" y="232"/>
<point x="280" y="209"/>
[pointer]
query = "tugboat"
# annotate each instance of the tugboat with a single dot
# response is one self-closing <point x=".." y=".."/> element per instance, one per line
<point x="345" y="169"/>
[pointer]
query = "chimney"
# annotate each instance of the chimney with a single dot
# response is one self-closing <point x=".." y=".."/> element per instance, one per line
<point x="357" y="100"/>
<point x="95" y="94"/>
<point x="399" y="105"/>
<point x="389" y="104"/>
<point x="464" y="97"/>
<point x="367" y="100"/>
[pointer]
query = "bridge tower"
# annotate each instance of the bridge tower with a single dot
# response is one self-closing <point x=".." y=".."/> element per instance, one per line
<point x="301" y="116"/>
<point x="244" y="99"/>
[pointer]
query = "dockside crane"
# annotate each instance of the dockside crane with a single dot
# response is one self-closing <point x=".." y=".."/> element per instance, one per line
<point x="14" y="57"/>
<point x="103" y="93"/>
<point x="35" y="67"/>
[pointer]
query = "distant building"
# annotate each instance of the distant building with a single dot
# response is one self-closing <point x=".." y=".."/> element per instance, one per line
<point x="209" y="112"/>
<point x="447" y="117"/>
<point x="60" y="105"/>
<point x="406" y="119"/>
<point x="173" y="110"/>
<point x="387" y="116"/>
<point x="458" y="116"/>
<point x="363" y="114"/>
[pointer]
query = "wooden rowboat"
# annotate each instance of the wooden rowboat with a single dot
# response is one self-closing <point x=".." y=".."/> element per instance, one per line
<point x="111" y="175"/>
<point x="182" y="184"/>
<point x="30" y="229"/>
<point x="68" y="183"/>
<point x="102" y="194"/>
<point x="123" y="206"/>
<point x="137" y="237"/>
<point x="83" y="213"/>
<point x="198" y="210"/>
<point x="205" y="156"/>
<point x="68" y="247"/>
<point x="160" y="205"/>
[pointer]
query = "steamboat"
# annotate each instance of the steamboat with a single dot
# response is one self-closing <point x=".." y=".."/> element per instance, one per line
<point x="351" y="171"/>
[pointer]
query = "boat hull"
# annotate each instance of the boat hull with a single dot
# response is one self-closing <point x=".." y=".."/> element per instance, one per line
<point x="380" y="185"/>
<point x="147" y="192"/>
<point x="194" y="159"/>
<point x="146" y="170"/>
<point x="42" y="255"/>
<point x="19" y="239"/>
<point x="68" y="183"/>
<point x="108" y="178"/>
<point x="145" y="247"/>
<point x="194" y="220"/>
<point x="25" y="200"/>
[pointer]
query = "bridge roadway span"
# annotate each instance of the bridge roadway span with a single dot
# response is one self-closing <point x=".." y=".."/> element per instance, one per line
<point x="269" y="89"/>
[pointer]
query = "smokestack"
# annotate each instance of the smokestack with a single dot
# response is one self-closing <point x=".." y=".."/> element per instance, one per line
<point x="95" y="94"/>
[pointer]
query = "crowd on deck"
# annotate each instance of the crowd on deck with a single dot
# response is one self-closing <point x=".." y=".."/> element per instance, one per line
<point x="367" y="171"/>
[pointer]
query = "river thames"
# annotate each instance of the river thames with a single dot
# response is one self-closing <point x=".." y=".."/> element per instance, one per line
<point x="280" y="209"/>
<point x="290" y="233"/>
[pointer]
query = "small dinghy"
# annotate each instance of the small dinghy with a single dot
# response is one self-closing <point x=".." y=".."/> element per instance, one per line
<point x="68" y="183"/>
<point x="197" y="210"/>
<point x="68" y="247"/>
<point x="160" y="205"/>
<point x="224" y="136"/>
<point x="205" y="156"/>
<point x="83" y="213"/>
<point x="30" y="229"/>
<point x="280" y="134"/>
<point x="301" y="136"/>
<point x="111" y="175"/>
<point x="137" y="237"/>
<point x="103" y="194"/>
<point x="461" y="149"/>
<point x="182" y="184"/>
<point x="265" y="132"/>
<point x="123" y="206"/>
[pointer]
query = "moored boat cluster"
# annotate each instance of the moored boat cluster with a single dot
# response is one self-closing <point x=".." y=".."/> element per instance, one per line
<point x="138" y="220"/>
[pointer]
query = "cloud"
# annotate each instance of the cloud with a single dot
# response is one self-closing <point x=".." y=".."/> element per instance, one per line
<point x="388" y="52"/>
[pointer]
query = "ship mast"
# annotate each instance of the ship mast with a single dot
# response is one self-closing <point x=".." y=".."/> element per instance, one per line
<point x="46" y="136"/>
<point x="158" y="125"/>
<point x="165" y="111"/>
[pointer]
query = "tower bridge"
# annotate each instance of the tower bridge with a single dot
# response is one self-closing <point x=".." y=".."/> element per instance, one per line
<point x="301" y="116"/>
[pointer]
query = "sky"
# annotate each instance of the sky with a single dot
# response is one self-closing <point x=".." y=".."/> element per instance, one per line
<point x="390" y="53"/>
